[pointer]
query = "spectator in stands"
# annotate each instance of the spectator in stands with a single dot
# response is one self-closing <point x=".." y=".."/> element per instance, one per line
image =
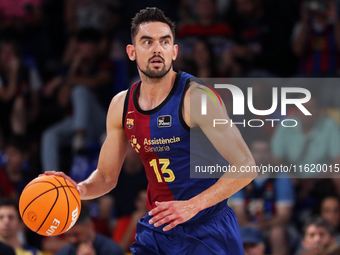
<point x="24" y="21"/>
<point x="20" y="13"/>
<point x="253" y="241"/>
<point x="207" y="23"/>
<point x="216" y="32"/>
<point x="332" y="249"/>
<point x="6" y="249"/>
<point x="131" y="179"/>
<point x="313" y="141"/>
<point x="99" y="14"/>
<point x="188" y="8"/>
<point x="330" y="210"/>
<point x="83" y="239"/>
<point x="52" y="244"/>
<point x="204" y="61"/>
<point x="318" y="234"/>
<point x="129" y="199"/>
<point x="316" y="39"/>
<point x="125" y="230"/>
<point x="262" y="47"/>
<point x="14" y="176"/>
<point x="267" y="203"/>
<point x="262" y="94"/>
<point x="19" y="91"/>
<point x="87" y="83"/>
<point x="11" y="225"/>
<point x="102" y="214"/>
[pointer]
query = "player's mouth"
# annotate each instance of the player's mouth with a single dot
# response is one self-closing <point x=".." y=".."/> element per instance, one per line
<point x="156" y="62"/>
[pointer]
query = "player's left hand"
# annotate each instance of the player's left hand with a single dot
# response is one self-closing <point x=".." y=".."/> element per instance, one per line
<point x="172" y="212"/>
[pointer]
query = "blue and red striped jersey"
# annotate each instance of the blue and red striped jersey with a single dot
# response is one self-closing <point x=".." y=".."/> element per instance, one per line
<point x="162" y="139"/>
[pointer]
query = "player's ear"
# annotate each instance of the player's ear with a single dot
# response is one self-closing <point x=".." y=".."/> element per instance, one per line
<point x="130" y="50"/>
<point x="175" y="52"/>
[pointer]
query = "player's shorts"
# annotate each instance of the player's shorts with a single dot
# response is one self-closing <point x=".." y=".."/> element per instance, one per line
<point x="216" y="233"/>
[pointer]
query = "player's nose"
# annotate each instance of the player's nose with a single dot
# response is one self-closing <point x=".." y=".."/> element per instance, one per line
<point x="157" y="48"/>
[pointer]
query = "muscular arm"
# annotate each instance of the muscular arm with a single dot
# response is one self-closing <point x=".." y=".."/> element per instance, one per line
<point x="235" y="152"/>
<point x="112" y="154"/>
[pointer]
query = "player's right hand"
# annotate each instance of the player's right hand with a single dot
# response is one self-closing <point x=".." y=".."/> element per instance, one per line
<point x="61" y="174"/>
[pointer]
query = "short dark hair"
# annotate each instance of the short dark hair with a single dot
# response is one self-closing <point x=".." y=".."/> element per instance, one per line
<point x="319" y="222"/>
<point x="150" y="14"/>
<point x="12" y="203"/>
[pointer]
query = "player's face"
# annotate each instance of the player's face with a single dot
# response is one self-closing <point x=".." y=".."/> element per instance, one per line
<point x="153" y="49"/>
<point x="316" y="238"/>
<point x="9" y="222"/>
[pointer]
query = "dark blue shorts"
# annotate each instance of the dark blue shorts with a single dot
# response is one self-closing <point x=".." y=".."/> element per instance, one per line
<point x="212" y="234"/>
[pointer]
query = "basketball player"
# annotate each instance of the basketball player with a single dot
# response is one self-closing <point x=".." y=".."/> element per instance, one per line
<point x="186" y="216"/>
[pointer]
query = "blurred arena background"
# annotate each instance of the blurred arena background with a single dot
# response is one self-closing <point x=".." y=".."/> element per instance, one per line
<point x="62" y="61"/>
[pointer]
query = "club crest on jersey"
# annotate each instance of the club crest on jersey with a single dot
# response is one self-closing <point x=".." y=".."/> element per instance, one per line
<point x="129" y="123"/>
<point x="164" y="121"/>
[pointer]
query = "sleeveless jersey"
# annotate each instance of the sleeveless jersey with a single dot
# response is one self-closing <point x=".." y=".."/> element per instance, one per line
<point x="162" y="139"/>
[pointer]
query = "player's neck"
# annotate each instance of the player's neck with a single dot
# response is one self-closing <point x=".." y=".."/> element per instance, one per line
<point x="151" y="93"/>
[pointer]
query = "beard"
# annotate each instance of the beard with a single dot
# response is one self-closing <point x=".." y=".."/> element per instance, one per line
<point x="157" y="73"/>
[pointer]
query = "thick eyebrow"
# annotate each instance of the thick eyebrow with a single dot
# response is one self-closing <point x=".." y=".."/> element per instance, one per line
<point x="150" y="38"/>
<point x="145" y="37"/>
<point x="166" y="36"/>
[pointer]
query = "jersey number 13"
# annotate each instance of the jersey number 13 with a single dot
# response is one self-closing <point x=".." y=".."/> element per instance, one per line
<point x="165" y="162"/>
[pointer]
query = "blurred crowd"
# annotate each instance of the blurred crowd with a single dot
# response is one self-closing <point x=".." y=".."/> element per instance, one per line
<point x="62" y="61"/>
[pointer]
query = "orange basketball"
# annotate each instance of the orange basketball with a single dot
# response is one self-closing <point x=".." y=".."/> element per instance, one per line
<point x="49" y="205"/>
